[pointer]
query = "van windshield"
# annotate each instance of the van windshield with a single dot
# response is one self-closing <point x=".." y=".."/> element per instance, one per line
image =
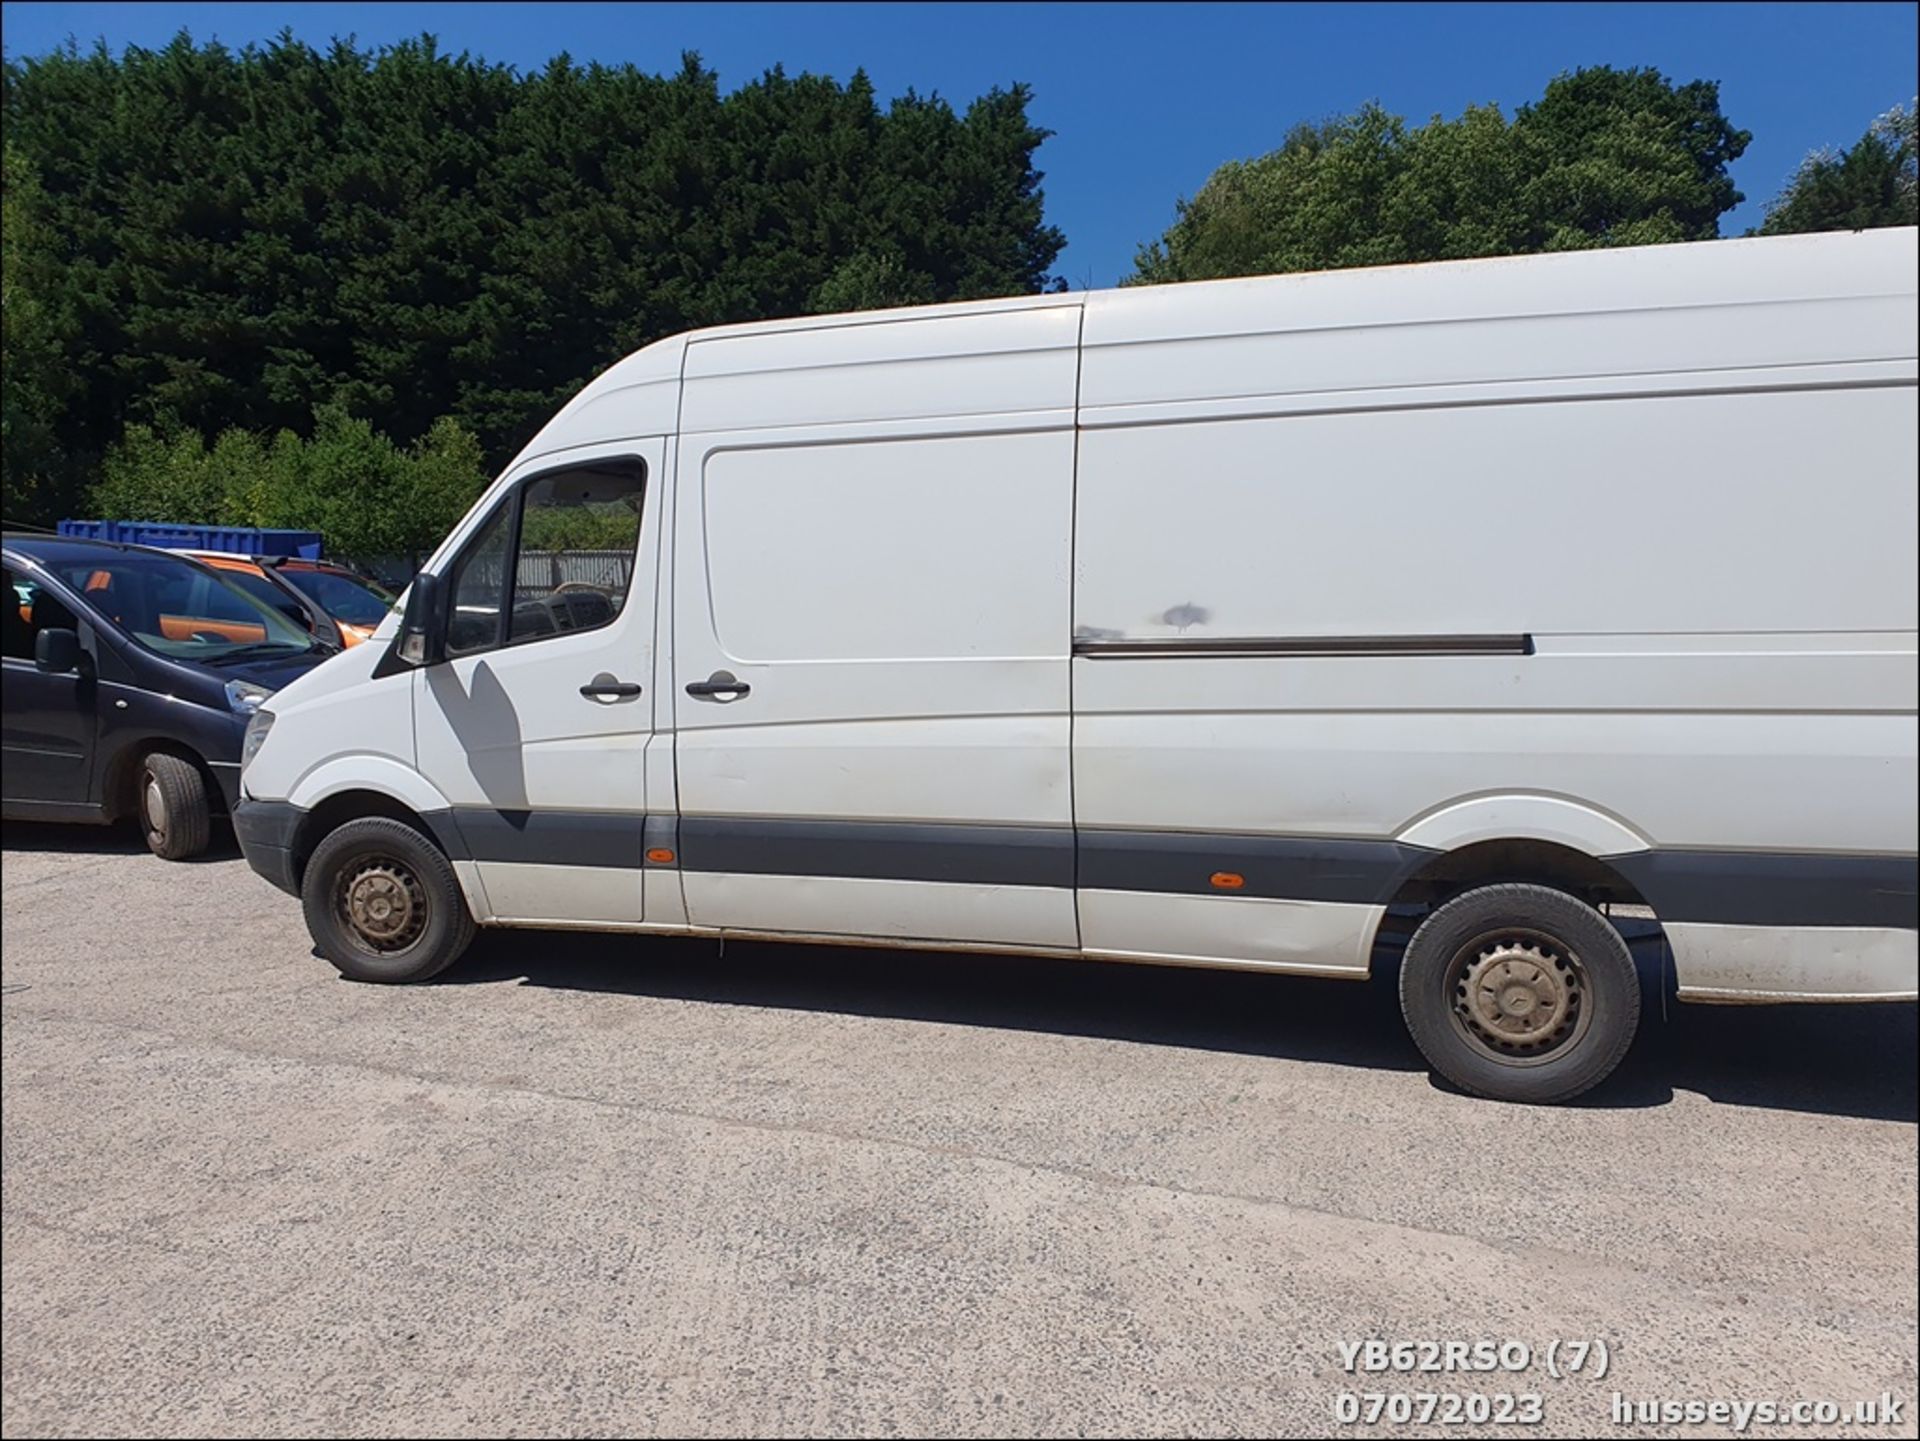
<point x="175" y="608"/>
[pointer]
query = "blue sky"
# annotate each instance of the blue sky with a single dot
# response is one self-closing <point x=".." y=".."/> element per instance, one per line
<point x="1146" y="99"/>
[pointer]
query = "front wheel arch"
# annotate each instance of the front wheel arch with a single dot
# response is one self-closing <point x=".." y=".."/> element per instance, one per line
<point x="344" y="807"/>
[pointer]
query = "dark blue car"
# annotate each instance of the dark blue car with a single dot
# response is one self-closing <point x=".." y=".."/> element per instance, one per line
<point x="130" y="674"/>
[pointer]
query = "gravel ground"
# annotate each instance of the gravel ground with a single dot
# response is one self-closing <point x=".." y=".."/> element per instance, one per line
<point x="616" y="1185"/>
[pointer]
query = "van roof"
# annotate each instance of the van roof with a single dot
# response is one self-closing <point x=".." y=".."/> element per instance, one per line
<point x="1834" y="262"/>
<point x="640" y="394"/>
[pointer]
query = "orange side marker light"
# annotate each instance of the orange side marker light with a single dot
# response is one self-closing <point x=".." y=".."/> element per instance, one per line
<point x="1228" y="880"/>
<point x="660" y="855"/>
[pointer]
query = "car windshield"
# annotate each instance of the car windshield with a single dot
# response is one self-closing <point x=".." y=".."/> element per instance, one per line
<point x="344" y="597"/>
<point x="265" y="591"/>
<point x="174" y="607"/>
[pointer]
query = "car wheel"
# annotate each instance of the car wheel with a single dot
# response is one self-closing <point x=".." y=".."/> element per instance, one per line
<point x="176" y="814"/>
<point x="383" y="904"/>
<point x="1520" y="993"/>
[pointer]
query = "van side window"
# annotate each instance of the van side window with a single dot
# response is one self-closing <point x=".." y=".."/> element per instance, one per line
<point x="579" y="530"/>
<point x="574" y="535"/>
<point x="478" y="588"/>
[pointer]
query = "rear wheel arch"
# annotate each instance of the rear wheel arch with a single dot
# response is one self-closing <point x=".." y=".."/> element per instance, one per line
<point x="1549" y="818"/>
<point x="1516" y="860"/>
<point x="1511" y="860"/>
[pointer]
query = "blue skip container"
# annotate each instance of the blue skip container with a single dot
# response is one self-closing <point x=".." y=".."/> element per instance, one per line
<point x="230" y="539"/>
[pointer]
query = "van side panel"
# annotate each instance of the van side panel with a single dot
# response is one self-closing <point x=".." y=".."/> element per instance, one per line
<point x="1635" y="533"/>
<point x="873" y="524"/>
<point x="1697" y="512"/>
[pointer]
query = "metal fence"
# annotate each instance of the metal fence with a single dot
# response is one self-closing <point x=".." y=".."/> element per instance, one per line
<point x="544" y="570"/>
<point x="539" y="571"/>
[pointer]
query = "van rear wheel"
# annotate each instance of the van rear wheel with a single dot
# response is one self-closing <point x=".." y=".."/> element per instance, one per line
<point x="383" y="904"/>
<point x="1520" y="993"/>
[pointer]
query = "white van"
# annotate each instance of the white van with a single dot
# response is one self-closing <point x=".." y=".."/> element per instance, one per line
<point x="1202" y="624"/>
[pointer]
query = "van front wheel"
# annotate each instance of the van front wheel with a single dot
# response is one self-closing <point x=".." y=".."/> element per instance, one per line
<point x="383" y="904"/>
<point x="1520" y="993"/>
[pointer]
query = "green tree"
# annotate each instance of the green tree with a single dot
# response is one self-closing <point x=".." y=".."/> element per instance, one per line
<point x="247" y="236"/>
<point x="446" y="472"/>
<point x="151" y="475"/>
<point x="1624" y="157"/>
<point x="870" y="282"/>
<point x="1870" y="185"/>
<point x="1604" y="157"/>
<point x="36" y="333"/>
<point x="368" y="496"/>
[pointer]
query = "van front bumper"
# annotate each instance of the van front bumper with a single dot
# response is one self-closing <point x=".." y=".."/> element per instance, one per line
<point x="265" y="830"/>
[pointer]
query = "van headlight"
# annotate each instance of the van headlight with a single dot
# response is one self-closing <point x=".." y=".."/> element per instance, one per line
<point x="245" y="697"/>
<point x="257" y="727"/>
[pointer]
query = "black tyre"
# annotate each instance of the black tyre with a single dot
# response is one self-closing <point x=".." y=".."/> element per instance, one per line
<point x="1520" y="993"/>
<point x="176" y="814"/>
<point x="383" y="904"/>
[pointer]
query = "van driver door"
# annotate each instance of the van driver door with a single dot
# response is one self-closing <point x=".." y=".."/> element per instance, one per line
<point x="537" y="724"/>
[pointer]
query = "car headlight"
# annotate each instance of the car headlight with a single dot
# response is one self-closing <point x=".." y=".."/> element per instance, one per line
<point x="257" y="727"/>
<point x="245" y="697"/>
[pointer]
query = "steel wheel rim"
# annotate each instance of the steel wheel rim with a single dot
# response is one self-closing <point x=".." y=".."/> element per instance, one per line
<point x="381" y="905"/>
<point x="1519" y="996"/>
<point x="153" y="808"/>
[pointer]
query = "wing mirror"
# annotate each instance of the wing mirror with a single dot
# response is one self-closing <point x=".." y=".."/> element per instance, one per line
<point x="423" y="624"/>
<point x="422" y="639"/>
<point x="56" y="651"/>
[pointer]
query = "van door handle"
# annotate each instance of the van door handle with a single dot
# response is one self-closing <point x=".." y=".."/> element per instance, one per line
<point x="721" y="686"/>
<point x="601" y="688"/>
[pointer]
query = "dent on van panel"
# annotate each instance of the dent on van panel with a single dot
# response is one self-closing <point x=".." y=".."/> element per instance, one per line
<point x="1184" y="616"/>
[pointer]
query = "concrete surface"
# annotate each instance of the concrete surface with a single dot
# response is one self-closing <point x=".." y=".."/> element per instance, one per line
<point x="612" y="1185"/>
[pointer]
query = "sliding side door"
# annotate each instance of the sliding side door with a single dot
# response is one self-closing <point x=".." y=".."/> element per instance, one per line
<point x="873" y="523"/>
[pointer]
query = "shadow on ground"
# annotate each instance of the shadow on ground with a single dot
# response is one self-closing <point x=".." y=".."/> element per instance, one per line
<point x="1836" y="1060"/>
<point x="121" y="838"/>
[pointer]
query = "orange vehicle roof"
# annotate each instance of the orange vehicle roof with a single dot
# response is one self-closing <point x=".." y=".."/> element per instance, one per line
<point x="220" y="560"/>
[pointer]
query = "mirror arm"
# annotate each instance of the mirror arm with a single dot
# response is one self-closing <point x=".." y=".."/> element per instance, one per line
<point x="421" y="639"/>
